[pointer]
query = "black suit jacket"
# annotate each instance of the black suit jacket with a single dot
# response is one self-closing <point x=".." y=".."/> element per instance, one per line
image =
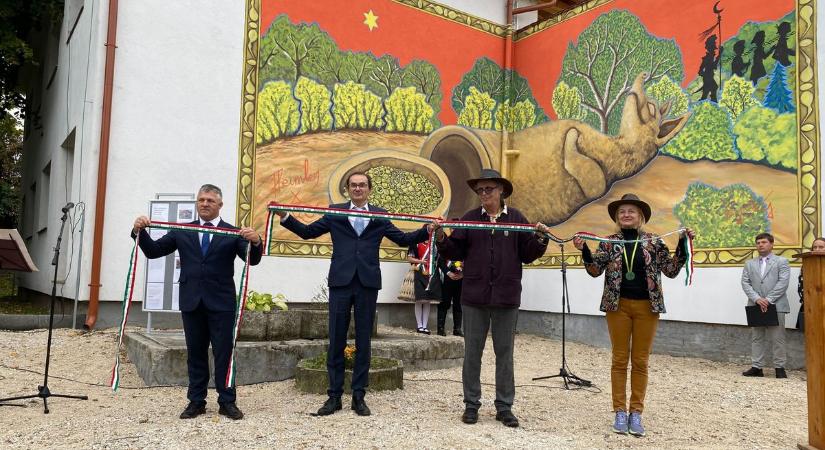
<point x="353" y="254"/>
<point x="203" y="278"/>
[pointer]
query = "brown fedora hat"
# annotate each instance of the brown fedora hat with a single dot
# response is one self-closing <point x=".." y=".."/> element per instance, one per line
<point x="629" y="199"/>
<point x="492" y="175"/>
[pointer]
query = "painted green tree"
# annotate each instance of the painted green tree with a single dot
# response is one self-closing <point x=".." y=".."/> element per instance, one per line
<point x="478" y="110"/>
<point x="763" y="135"/>
<point x="354" y="107"/>
<point x="518" y="117"/>
<point x="737" y="96"/>
<point x="707" y="135"/>
<point x="487" y="77"/>
<point x="777" y="96"/>
<point x="666" y="90"/>
<point x="315" y="105"/>
<point x="726" y="217"/>
<point x="289" y="51"/>
<point x="567" y="102"/>
<point x="407" y="110"/>
<point x="608" y="56"/>
<point x="277" y="112"/>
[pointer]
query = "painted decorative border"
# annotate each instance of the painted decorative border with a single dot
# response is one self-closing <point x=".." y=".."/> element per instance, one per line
<point x="569" y="14"/>
<point x="249" y="96"/>
<point x="445" y="12"/>
<point x="807" y="113"/>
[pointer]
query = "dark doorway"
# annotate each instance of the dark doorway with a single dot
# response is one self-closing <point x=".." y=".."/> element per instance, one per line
<point x="460" y="161"/>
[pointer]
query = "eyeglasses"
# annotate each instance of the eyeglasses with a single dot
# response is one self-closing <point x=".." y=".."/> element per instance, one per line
<point x="486" y="190"/>
<point x="358" y="185"/>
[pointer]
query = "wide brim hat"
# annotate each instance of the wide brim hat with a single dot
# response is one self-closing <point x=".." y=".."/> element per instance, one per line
<point x="493" y="175"/>
<point x="629" y="199"/>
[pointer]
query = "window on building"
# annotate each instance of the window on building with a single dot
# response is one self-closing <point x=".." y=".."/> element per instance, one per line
<point x="29" y="209"/>
<point x="43" y="198"/>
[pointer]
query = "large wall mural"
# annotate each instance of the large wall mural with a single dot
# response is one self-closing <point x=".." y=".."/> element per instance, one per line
<point x="706" y="110"/>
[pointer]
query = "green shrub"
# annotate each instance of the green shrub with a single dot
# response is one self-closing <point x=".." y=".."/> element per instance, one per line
<point x="726" y="217"/>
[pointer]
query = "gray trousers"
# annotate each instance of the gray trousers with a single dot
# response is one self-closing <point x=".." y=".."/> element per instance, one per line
<point x="763" y="338"/>
<point x="502" y="323"/>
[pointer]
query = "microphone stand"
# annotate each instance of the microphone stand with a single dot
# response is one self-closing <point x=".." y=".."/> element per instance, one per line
<point x="43" y="391"/>
<point x="565" y="373"/>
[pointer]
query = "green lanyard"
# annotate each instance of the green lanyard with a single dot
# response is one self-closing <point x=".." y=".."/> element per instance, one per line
<point x="629" y="275"/>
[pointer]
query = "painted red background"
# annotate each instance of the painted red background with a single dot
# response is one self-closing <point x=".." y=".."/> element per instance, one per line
<point x="409" y="33"/>
<point x="404" y="32"/>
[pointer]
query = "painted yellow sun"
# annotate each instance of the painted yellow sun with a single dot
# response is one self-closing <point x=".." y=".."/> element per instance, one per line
<point x="370" y="20"/>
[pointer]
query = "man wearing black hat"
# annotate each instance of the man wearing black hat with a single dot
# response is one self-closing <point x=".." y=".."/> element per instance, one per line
<point x="491" y="293"/>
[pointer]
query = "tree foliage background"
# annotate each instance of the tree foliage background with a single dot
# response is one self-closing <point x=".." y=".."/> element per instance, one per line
<point x="336" y="89"/>
<point x="481" y="99"/>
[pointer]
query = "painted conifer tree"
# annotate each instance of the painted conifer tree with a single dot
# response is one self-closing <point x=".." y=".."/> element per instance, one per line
<point x="778" y="96"/>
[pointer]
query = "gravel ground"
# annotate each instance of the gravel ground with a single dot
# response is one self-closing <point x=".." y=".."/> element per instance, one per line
<point x="691" y="403"/>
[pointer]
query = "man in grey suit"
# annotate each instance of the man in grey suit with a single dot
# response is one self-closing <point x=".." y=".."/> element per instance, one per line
<point x="765" y="281"/>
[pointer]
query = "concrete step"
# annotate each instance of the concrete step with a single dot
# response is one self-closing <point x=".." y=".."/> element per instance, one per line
<point x="160" y="356"/>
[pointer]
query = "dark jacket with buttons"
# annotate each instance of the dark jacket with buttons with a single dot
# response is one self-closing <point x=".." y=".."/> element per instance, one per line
<point x="354" y="255"/>
<point x="203" y="278"/>
<point x="492" y="260"/>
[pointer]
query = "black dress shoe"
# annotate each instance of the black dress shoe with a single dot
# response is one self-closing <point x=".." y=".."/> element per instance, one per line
<point x="753" y="372"/>
<point x="470" y="416"/>
<point x="780" y="372"/>
<point x="441" y="332"/>
<point x="193" y="409"/>
<point x="458" y="332"/>
<point x="231" y="411"/>
<point x="330" y="406"/>
<point x="507" y="418"/>
<point x="360" y="407"/>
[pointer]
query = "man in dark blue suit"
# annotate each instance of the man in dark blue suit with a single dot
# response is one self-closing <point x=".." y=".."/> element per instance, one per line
<point x="207" y="295"/>
<point x="354" y="282"/>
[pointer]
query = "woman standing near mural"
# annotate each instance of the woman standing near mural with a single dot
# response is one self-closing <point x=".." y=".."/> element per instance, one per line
<point x="426" y="284"/>
<point x="632" y="300"/>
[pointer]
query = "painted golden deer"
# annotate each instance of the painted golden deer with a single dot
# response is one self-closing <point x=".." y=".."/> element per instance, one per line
<point x="565" y="164"/>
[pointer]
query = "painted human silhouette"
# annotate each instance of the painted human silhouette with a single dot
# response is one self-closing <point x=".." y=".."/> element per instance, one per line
<point x="707" y="69"/>
<point x="782" y="52"/>
<point x="759" y="57"/>
<point x="738" y="66"/>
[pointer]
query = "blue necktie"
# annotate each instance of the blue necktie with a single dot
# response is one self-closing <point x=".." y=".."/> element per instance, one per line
<point x="205" y="239"/>
<point x="360" y="223"/>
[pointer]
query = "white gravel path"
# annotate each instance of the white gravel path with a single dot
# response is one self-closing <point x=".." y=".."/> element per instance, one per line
<point x="691" y="403"/>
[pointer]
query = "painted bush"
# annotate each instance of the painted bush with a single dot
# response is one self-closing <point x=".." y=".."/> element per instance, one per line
<point x="726" y="217"/>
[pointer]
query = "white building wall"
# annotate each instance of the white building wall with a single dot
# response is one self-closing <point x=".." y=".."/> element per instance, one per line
<point x="175" y="125"/>
<point x="70" y="105"/>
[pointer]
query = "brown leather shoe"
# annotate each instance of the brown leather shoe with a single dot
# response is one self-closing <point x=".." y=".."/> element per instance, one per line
<point x="193" y="409"/>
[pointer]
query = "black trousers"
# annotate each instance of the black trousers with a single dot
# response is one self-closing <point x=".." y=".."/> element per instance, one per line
<point x="202" y="327"/>
<point x="450" y="295"/>
<point x="341" y="301"/>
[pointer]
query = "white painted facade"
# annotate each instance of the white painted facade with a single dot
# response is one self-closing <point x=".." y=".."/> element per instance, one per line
<point x="175" y="125"/>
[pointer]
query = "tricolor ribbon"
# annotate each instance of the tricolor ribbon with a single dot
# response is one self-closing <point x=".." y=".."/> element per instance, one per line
<point x="240" y="300"/>
<point x="466" y="225"/>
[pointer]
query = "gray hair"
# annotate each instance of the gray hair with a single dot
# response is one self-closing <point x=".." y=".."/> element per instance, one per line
<point x="211" y="188"/>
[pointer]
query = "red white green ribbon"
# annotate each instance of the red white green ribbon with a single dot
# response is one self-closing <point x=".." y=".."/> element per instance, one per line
<point x="240" y="300"/>
<point x="688" y="247"/>
<point x="127" y="301"/>
<point x="467" y="225"/>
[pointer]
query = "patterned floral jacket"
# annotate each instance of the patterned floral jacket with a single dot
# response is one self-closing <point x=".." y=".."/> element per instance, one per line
<point x="608" y="258"/>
